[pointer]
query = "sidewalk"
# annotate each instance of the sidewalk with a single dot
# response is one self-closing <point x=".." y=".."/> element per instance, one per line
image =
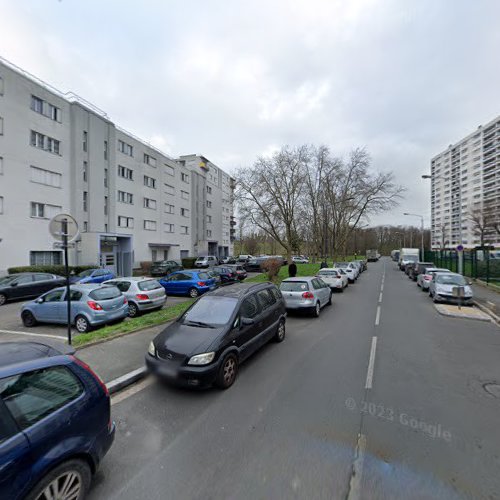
<point x="487" y="299"/>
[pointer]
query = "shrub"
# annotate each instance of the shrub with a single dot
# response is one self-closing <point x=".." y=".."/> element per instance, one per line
<point x="48" y="269"/>
<point x="272" y="267"/>
<point x="188" y="262"/>
<point x="145" y="267"/>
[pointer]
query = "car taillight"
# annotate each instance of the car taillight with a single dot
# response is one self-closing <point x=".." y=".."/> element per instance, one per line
<point x="94" y="305"/>
<point x="308" y="295"/>
<point x="142" y="296"/>
<point x="427" y="277"/>
<point x="87" y="368"/>
<point x="125" y="300"/>
<point x="201" y="283"/>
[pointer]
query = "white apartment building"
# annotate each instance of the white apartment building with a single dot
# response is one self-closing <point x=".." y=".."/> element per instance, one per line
<point x="465" y="179"/>
<point x="133" y="203"/>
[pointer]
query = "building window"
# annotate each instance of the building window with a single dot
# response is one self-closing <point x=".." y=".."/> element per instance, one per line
<point x="184" y="212"/>
<point x="85" y="170"/>
<point x="37" y="104"/>
<point x="185" y="178"/>
<point x="149" y="203"/>
<point x="149" y="182"/>
<point x="169" y="170"/>
<point x="209" y="204"/>
<point x="125" y="173"/>
<point x="209" y="233"/>
<point x="106" y="176"/>
<point x="105" y="228"/>
<point x="125" y="148"/>
<point x="105" y="150"/>
<point x="44" y="108"/>
<point x="149" y="160"/>
<point x="184" y="230"/>
<point x="169" y="189"/>
<point x="1" y="125"/>
<point x="44" y="211"/>
<point x="209" y="190"/>
<point x="1" y="165"/>
<point x="45" y="258"/>
<point x="44" y="142"/>
<point x="85" y="141"/>
<point x="1" y="85"/>
<point x="124" y="197"/>
<point x="125" y="221"/>
<point x="169" y="209"/>
<point x="1" y="205"/>
<point x="150" y="225"/>
<point x="85" y="226"/>
<point x="209" y="218"/>
<point x="85" y="200"/>
<point x="169" y="228"/>
<point x="105" y="205"/>
<point x="46" y="177"/>
<point x="184" y="195"/>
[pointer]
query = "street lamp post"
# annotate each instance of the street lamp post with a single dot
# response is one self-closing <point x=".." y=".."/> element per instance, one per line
<point x="460" y="246"/>
<point x="421" y="231"/>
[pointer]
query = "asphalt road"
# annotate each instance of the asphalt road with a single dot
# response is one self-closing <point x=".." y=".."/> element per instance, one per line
<point x="328" y="413"/>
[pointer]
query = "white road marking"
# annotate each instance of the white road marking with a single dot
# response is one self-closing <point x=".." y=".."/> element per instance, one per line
<point x="377" y="317"/>
<point x="134" y="389"/>
<point x="382" y="287"/>
<point x="371" y="364"/>
<point x="357" y="469"/>
<point x="34" y="334"/>
<point x="380" y="298"/>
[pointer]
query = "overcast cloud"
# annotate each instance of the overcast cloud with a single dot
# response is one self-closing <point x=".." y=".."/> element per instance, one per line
<point x="234" y="79"/>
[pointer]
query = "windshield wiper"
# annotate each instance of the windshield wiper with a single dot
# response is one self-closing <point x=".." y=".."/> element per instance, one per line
<point x="198" y="323"/>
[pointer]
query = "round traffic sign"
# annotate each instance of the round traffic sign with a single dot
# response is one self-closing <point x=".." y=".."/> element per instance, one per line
<point x="460" y="248"/>
<point x="63" y="225"/>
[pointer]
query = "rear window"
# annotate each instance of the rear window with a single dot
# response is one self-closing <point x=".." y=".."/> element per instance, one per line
<point x="294" y="286"/>
<point x="203" y="276"/>
<point x="331" y="274"/>
<point x="104" y="293"/>
<point x="148" y="285"/>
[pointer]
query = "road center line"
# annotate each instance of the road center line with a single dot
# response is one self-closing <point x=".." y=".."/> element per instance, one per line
<point x="357" y="469"/>
<point x="371" y="364"/>
<point x="382" y="287"/>
<point x="380" y="298"/>
<point x="377" y="317"/>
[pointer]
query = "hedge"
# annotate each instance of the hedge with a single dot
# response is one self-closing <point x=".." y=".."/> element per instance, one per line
<point x="48" y="269"/>
<point x="188" y="262"/>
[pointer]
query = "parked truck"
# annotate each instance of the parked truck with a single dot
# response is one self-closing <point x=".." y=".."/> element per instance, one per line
<point x="407" y="255"/>
<point x="372" y="255"/>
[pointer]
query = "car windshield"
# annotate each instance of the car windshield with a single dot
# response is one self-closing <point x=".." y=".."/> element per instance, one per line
<point x="450" y="279"/>
<point x="341" y="264"/>
<point x="210" y="311"/>
<point x="160" y="263"/>
<point x="294" y="286"/>
<point x="412" y="258"/>
<point x="87" y="272"/>
<point x="105" y="293"/>
<point x="148" y="285"/>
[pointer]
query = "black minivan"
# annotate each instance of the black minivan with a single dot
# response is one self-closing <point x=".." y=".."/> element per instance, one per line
<point x="219" y="331"/>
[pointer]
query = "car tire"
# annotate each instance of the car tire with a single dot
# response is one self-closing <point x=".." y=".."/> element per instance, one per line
<point x="228" y="372"/>
<point x="78" y="470"/>
<point x="329" y="303"/>
<point x="317" y="310"/>
<point x="193" y="293"/>
<point x="342" y="289"/>
<point x="280" y="332"/>
<point x="82" y="324"/>
<point x="28" y="319"/>
<point x="3" y="299"/>
<point x="133" y="310"/>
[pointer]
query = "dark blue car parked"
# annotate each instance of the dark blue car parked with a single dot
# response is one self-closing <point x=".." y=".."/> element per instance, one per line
<point x="55" y="424"/>
<point x="93" y="276"/>
<point x="188" y="282"/>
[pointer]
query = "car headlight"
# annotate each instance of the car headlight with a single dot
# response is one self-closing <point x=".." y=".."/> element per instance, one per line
<point x="202" y="359"/>
<point x="152" y="349"/>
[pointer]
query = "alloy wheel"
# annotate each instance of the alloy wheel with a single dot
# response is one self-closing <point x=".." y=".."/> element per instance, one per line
<point x="132" y="310"/>
<point x="82" y="324"/>
<point x="317" y="309"/>
<point x="67" y="486"/>
<point x="3" y="299"/>
<point x="193" y="293"/>
<point x="281" y="331"/>
<point x="229" y="371"/>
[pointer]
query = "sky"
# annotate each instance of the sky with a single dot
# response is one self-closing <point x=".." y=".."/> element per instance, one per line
<point x="233" y="80"/>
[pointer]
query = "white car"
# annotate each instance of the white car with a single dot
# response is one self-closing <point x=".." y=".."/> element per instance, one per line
<point x="299" y="259"/>
<point x="335" y="278"/>
<point x="424" y="279"/>
<point x="351" y="270"/>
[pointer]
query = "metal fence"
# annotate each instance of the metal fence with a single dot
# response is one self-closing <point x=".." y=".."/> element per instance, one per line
<point x="478" y="264"/>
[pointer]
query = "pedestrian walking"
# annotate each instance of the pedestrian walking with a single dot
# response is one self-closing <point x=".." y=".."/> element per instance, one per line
<point x="292" y="270"/>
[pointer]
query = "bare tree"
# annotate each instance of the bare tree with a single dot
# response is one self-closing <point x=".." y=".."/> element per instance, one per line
<point x="483" y="222"/>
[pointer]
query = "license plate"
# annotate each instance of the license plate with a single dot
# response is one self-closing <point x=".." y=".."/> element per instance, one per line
<point x="168" y="371"/>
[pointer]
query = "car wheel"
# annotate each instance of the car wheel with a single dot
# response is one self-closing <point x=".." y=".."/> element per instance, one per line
<point x="317" y="310"/>
<point x="329" y="303"/>
<point x="3" y="299"/>
<point x="434" y="299"/>
<point x="133" y="310"/>
<point x="342" y="290"/>
<point x="28" y="319"/>
<point x="430" y="294"/>
<point x="227" y="372"/>
<point x="193" y="292"/>
<point x="68" y="481"/>
<point x="82" y="324"/>
<point x="280" y="332"/>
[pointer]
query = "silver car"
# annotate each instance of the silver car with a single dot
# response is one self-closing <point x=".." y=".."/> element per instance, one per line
<point x="442" y="285"/>
<point x="207" y="261"/>
<point x="424" y="279"/>
<point x="143" y="294"/>
<point x="308" y="293"/>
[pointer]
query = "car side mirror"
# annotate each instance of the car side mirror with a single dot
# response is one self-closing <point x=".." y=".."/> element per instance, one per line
<point x="247" y="321"/>
<point x="40" y="300"/>
<point x="13" y="284"/>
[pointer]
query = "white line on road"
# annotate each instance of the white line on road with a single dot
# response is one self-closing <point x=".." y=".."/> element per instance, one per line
<point x="377" y="317"/>
<point x="33" y="334"/>
<point x="131" y="391"/>
<point x="371" y="364"/>
<point x="357" y="469"/>
<point x="380" y="298"/>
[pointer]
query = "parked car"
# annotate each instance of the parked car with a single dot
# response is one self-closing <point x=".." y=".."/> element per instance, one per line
<point x="143" y="294"/>
<point x="424" y="279"/>
<point x="217" y="333"/>
<point x="408" y="268"/>
<point x="228" y="260"/>
<point x="27" y="285"/>
<point x="309" y="293"/>
<point x="363" y="263"/>
<point x="441" y="288"/>
<point x="93" y="276"/>
<point x="255" y="264"/>
<point x="188" y="282"/>
<point x="358" y="266"/>
<point x="213" y="275"/>
<point x="418" y="268"/>
<point x="91" y="305"/>
<point x="300" y="259"/>
<point x="352" y="273"/>
<point x="333" y="278"/>
<point x="206" y="261"/>
<point x="244" y="258"/>
<point x="226" y="274"/>
<point x="241" y="274"/>
<point x="165" y="267"/>
<point x="372" y="255"/>
<point x="55" y="419"/>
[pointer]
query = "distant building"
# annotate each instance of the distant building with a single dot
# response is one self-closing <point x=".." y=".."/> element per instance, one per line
<point x="133" y="203"/>
<point x="465" y="181"/>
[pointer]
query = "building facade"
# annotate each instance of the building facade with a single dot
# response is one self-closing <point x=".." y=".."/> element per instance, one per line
<point x="465" y="190"/>
<point x="132" y="202"/>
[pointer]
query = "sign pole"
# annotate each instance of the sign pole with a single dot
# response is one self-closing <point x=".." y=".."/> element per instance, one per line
<point x="64" y="231"/>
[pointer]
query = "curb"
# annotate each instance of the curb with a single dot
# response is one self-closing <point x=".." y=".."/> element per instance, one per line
<point x="485" y="285"/>
<point x="452" y="315"/>
<point x="130" y="378"/>
<point x="488" y="311"/>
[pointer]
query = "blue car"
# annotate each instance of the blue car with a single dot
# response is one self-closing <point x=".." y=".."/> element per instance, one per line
<point x="93" y="276"/>
<point x="91" y="305"/>
<point x="191" y="282"/>
<point x="55" y="422"/>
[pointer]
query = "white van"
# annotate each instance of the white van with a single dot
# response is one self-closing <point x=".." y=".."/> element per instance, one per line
<point x="407" y="255"/>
